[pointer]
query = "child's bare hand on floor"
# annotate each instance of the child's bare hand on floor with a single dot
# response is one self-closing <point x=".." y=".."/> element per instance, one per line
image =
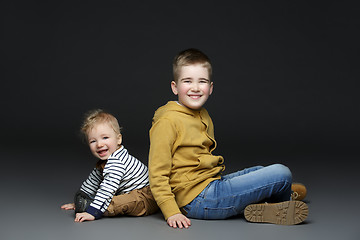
<point x="68" y="206"/>
<point x="84" y="216"/>
<point x="178" y="220"/>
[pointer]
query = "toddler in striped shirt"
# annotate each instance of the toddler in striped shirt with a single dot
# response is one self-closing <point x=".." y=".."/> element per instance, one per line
<point x="119" y="184"/>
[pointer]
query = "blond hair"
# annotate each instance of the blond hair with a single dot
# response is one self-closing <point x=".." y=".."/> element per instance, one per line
<point x="99" y="116"/>
<point x="188" y="57"/>
<point x="94" y="117"/>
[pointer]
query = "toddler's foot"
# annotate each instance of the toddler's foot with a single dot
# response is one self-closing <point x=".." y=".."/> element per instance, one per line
<point x="298" y="191"/>
<point x="82" y="201"/>
<point x="283" y="213"/>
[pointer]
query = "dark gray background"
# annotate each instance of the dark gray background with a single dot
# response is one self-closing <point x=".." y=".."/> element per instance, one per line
<point x="285" y="90"/>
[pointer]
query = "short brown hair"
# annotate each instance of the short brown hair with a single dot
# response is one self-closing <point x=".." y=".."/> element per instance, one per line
<point x="188" y="57"/>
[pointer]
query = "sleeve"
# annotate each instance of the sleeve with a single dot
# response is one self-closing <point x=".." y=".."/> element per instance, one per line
<point x="113" y="174"/>
<point x="92" y="183"/>
<point x="162" y="138"/>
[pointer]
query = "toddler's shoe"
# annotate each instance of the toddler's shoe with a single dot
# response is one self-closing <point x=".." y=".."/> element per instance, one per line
<point x="82" y="201"/>
<point x="298" y="191"/>
<point x="283" y="213"/>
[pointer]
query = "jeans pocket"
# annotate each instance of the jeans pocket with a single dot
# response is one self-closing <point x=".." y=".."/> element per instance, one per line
<point x="185" y="210"/>
<point x="219" y="213"/>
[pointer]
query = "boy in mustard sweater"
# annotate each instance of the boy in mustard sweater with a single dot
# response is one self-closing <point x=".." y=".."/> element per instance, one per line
<point x="185" y="177"/>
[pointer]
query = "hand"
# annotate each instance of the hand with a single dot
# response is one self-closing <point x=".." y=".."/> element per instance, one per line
<point x="68" y="206"/>
<point x="84" y="216"/>
<point x="178" y="220"/>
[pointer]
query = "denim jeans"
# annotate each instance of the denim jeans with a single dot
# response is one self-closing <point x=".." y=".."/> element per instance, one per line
<point x="229" y="196"/>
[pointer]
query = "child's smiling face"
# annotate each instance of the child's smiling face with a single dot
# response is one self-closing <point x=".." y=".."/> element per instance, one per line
<point x="103" y="140"/>
<point x="193" y="86"/>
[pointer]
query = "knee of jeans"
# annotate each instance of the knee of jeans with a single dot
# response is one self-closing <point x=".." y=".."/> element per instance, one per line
<point x="284" y="171"/>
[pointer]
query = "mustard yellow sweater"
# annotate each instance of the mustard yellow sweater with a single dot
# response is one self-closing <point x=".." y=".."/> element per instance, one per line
<point x="180" y="161"/>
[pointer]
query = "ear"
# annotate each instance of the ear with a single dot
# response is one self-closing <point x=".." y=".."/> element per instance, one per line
<point x="211" y="87"/>
<point x="119" y="139"/>
<point x="174" y="88"/>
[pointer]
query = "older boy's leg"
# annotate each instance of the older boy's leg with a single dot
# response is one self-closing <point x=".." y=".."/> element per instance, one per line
<point x="241" y="172"/>
<point x="298" y="190"/>
<point x="138" y="202"/>
<point x="229" y="196"/>
<point x="233" y="193"/>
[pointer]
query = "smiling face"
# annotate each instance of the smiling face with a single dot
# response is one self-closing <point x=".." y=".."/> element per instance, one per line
<point x="103" y="140"/>
<point x="193" y="86"/>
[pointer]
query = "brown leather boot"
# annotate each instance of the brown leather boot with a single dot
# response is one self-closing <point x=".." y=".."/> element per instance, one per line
<point x="298" y="191"/>
<point x="283" y="213"/>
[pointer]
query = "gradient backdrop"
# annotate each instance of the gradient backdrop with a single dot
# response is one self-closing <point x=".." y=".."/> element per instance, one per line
<point x="285" y="86"/>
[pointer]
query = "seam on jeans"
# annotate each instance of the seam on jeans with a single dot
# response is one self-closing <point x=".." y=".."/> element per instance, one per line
<point x="244" y="193"/>
<point x="204" y="192"/>
<point x="261" y="188"/>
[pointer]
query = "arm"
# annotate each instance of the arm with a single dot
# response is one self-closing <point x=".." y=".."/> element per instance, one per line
<point x="101" y="186"/>
<point x="162" y="137"/>
<point x="92" y="183"/>
<point x="89" y="186"/>
<point x="113" y="174"/>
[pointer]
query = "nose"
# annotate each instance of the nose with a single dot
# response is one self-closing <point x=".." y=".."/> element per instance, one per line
<point x="195" y="87"/>
<point x="100" y="144"/>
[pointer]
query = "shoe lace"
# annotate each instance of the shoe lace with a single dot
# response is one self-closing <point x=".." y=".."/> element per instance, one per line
<point x="294" y="195"/>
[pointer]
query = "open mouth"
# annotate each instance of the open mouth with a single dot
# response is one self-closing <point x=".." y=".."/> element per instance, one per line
<point x="195" y="96"/>
<point x="102" y="152"/>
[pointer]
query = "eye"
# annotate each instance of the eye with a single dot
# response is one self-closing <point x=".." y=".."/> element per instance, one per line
<point x="105" y="137"/>
<point x="92" y="141"/>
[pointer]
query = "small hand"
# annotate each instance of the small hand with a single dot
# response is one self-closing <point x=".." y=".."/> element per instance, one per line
<point x="178" y="220"/>
<point x="68" y="206"/>
<point x="84" y="216"/>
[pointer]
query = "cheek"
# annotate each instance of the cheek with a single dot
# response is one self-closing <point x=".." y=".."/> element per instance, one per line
<point x="93" y="146"/>
<point x="92" y="149"/>
<point x="182" y="91"/>
<point x="206" y="90"/>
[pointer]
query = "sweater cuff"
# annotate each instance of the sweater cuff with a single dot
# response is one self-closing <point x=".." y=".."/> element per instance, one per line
<point x="95" y="212"/>
<point x="169" y="208"/>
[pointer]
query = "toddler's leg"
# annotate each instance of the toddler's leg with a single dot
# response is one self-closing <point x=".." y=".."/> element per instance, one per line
<point x="138" y="202"/>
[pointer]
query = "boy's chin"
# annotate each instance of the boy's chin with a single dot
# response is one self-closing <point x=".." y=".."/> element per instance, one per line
<point x="195" y="107"/>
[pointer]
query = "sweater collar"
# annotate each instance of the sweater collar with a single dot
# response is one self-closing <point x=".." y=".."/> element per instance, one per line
<point x="175" y="105"/>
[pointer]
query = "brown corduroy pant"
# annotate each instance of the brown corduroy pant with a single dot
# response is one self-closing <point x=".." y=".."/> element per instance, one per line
<point x="138" y="202"/>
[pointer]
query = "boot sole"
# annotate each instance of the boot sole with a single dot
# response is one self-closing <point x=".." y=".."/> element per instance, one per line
<point x="283" y="213"/>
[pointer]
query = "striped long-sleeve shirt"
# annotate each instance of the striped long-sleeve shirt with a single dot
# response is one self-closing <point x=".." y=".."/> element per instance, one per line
<point x="122" y="174"/>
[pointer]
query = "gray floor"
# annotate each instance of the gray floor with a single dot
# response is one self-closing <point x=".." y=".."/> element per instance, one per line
<point x="37" y="183"/>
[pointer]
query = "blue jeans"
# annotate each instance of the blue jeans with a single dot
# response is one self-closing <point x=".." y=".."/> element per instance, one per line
<point x="229" y="196"/>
